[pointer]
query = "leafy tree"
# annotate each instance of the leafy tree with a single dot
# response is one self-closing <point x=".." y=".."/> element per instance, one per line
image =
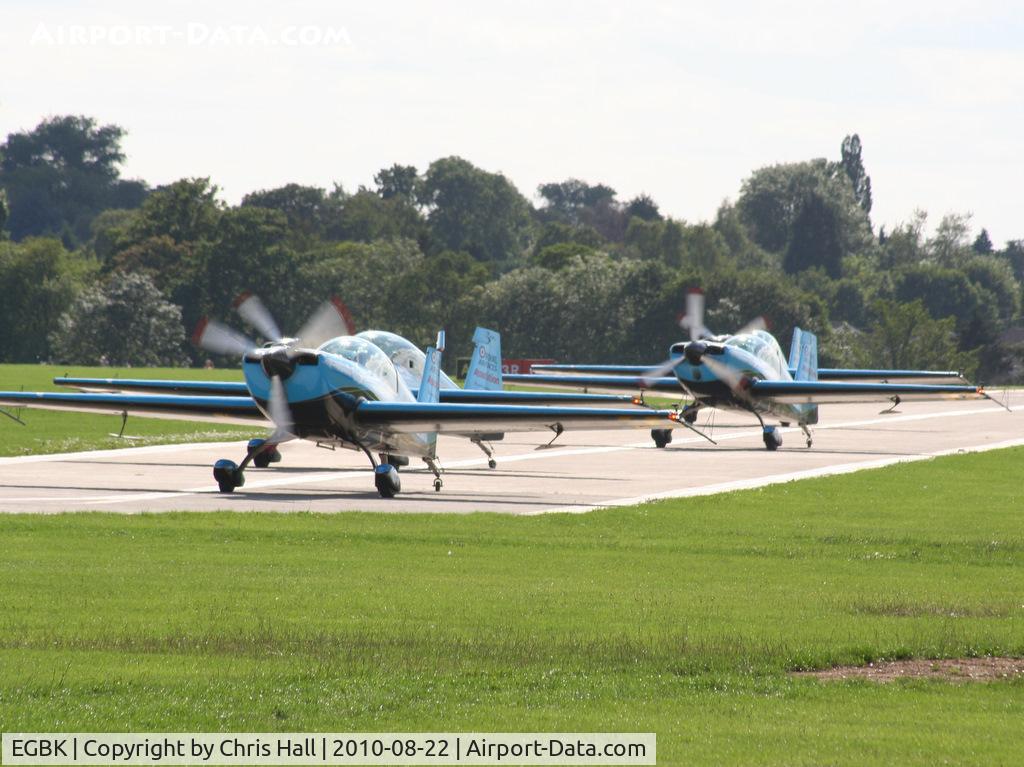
<point x="186" y="211"/>
<point x="815" y="240"/>
<point x="61" y="174"/>
<point x="1014" y="255"/>
<point x="126" y="322"/>
<point x="642" y="206"/>
<point x="853" y="165"/>
<point x="741" y="248"/>
<point x="398" y="181"/>
<point x="306" y="208"/>
<point x="3" y="211"/>
<point x="39" y="279"/>
<point x="949" y="245"/>
<point x="555" y="233"/>
<point x="561" y="255"/>
<point x="368" y="277"/>
<point x="366" y="217"/>
<point x="169" y="264"/>
<point x="995" y="275"/>
<point x="983" y="243"/>
<point x="645" y="237"/>
<point x="111" y="232"/>
<point x="950" y="293"/>
<point x="580" y="204"/>
<point x="474" y="211"/>
<point x="703" y="248"/>
<point x="425" y="300"/>
<point x="904" y="246"/>
<point x="908" y="336"/>
<point x="246" y="252"/>
<point x="566" y="199"/>
<point x="772" y="200"/>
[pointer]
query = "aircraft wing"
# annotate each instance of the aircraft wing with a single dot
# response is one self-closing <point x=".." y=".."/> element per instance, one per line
<point x="668" y="384"/>
<point x="157" y="386"/>
<point x="862" y="374"/>
<point x="499" y="397"/>
<point x="826" y="392"/>
<point x="402" y="417"/>
<point x="240" y="410"/>
<point x="612" y="370"/>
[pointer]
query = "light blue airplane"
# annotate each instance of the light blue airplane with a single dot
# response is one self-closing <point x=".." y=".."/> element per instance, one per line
<point x="346" y="391"/>
<point x="747" y="371"/>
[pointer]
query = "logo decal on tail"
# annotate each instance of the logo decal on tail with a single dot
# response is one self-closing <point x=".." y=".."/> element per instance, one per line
<point x="485" y="367"/>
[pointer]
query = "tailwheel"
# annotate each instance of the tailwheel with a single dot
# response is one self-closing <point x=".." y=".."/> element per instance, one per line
<point x="228" y="475"/>
<point x="807" y="433"/>
<point x="385" y="477"/>
<point x="492" y="464"/>
<point x="436" y="468"/>
<point x="772" y="438"/>
<point x="661" y="437"/>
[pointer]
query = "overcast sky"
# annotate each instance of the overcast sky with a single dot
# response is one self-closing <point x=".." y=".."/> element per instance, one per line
<point x="678" y="100"/>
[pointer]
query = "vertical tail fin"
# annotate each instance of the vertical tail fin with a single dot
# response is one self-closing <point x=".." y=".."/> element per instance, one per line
<point x="807" y="361"/>
<point x="485" y="367"/>
<point x="430" y="386"/>
<point x="794" y="349"/>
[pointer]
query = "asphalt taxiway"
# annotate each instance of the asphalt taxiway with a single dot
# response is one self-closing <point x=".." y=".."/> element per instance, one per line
<point x="580" y="472"/>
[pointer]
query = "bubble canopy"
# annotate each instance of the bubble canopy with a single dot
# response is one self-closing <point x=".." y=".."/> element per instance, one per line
<point x="364" y="353"/>
<point x="408" y="358"/>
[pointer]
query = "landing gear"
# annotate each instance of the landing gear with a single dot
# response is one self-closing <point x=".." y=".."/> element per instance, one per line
<point x="772" y="438"/>
<point x="807" y="433"/>
<point x="436" y="468"/>
<point x="230" y="475"/>
<point x="267" y="455"/>
<point x="491" y="463"/>
<point x="398" y="461"/>
<point x="661" y="437"/>
<point x="690" y="413"/>
<point x="385" y="477"/>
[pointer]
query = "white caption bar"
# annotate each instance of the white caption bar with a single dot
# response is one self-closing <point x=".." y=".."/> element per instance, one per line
<point x="307" y="748"/>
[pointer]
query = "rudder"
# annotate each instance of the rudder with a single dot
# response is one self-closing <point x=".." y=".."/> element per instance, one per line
<point x="485" y="366"/>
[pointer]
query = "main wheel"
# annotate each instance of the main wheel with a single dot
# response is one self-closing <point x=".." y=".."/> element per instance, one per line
<point x="772" y="438"/>
<point x="386" y="478"/>
<point x="228" y="475"/>
<point x="661" y="437"/>
<point x="267" y="457"/>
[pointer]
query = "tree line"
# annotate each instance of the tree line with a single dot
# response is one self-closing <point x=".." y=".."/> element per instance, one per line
<point x="94" y="267"/>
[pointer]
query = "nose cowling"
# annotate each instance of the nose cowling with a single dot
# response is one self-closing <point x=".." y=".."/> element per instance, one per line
<point x="278" y="362"/>
<point x="695" y="351"/>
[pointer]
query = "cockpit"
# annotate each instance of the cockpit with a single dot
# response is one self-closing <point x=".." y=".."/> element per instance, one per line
<point x="408" y="358"/>
<point x="762" y="344"/>
<point x="363" y="353"/>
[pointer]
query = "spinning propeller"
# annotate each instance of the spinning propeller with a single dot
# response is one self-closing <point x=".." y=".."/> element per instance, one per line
<point x="330" y="320"/>
<point x="695" y="350"/>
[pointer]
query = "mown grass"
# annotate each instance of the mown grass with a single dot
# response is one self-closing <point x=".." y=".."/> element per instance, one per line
<point x="682" y="617"/>
<point x="61" y="432"/>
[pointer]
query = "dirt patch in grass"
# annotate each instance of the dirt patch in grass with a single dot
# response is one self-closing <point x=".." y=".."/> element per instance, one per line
<point x="949" y="669"/>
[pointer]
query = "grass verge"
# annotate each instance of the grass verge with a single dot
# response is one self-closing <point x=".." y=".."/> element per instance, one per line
<point x="682" y="617"/>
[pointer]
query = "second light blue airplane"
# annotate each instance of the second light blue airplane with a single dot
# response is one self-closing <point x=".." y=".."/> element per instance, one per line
<point x="747" y="371"/>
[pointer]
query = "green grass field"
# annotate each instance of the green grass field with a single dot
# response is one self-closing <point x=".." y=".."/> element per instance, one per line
<point x="61" y="432"/>
<point x="681" y="617"/>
